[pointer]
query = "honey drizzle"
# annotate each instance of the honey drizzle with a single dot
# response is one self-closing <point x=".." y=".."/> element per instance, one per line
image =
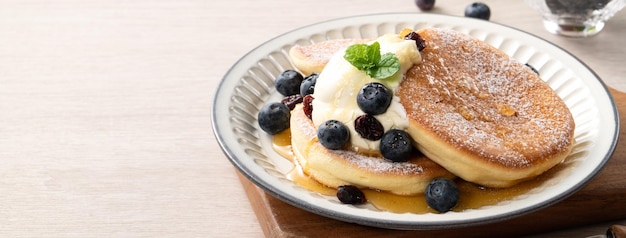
<point x="472" y="196"/>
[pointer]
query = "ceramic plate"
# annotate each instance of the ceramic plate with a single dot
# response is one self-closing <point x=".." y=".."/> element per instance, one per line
<point x="249" y="84"/>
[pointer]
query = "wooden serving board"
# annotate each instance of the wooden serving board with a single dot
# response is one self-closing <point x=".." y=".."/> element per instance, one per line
<point x="601" y="200"/>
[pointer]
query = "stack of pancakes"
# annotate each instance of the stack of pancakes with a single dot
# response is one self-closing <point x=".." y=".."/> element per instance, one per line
<point x="473" y="112"/>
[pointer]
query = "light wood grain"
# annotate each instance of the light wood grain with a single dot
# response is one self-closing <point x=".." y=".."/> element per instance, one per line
<point x="105" y="107"/>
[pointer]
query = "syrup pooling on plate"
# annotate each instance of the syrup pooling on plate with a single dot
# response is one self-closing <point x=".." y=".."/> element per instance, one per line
<point x="472" y="195"/>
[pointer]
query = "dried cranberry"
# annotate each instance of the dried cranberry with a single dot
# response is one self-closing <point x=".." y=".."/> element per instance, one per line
<point x="291" y="101"/>
<point x="369" y="127"/>
<point x="307" y="106"/>
<point x="350" y="194"/>
<point x="419" y="41"/>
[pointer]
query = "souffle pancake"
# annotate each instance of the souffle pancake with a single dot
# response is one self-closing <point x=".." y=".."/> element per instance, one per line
<point x="335" y="168"/>
<point x="312" y="58"/>
<point x="482" y="115"/>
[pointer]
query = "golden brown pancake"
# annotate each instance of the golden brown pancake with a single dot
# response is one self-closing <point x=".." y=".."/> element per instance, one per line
<point x="482" y="115"/>
<point x="334" y="168"/>
<point x="312" y="58"/>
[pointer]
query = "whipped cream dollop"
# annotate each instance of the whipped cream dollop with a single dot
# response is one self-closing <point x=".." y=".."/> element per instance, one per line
<point x="339" y="83"/>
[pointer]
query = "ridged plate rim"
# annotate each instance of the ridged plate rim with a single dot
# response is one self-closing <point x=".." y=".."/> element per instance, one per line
<point x="247" y="86"/>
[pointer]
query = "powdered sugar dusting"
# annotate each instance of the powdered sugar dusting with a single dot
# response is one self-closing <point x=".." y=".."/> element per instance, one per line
<point x="380" y="165"/>
<point x="417" y="165"/>
<point x="321" y="52"/>
<point x="485" y="102"/>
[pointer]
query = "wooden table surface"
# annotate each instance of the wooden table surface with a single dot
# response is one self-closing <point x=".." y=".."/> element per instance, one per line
<point x="105" y="126"/>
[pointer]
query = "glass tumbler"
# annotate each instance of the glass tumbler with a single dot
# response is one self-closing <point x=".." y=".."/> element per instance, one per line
<point x="576" y="18"/>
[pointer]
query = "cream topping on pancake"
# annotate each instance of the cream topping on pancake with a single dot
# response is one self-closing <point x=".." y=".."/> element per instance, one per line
<point x="339" y="83"/>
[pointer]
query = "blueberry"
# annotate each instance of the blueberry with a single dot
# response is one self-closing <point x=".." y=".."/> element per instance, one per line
<point x="274" y="117"/>
<point x="478" y="10"/>
<point x="395" y="145"/>
<point x="374" y="98"/>
<point x="425" y="5"/>
<point x="350" y="194"/>
<point x="308" y="84"/>
<point x="333" y="134"/>
<point x="442" y="194"/>
<point x="288" y="82"/>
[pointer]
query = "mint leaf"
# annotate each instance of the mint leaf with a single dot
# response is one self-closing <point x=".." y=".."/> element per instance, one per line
<point x="387" y="66"/>
<point x="373" y="52"/>
<point x="368" y="58"/>
<point x="362" y="56"/>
